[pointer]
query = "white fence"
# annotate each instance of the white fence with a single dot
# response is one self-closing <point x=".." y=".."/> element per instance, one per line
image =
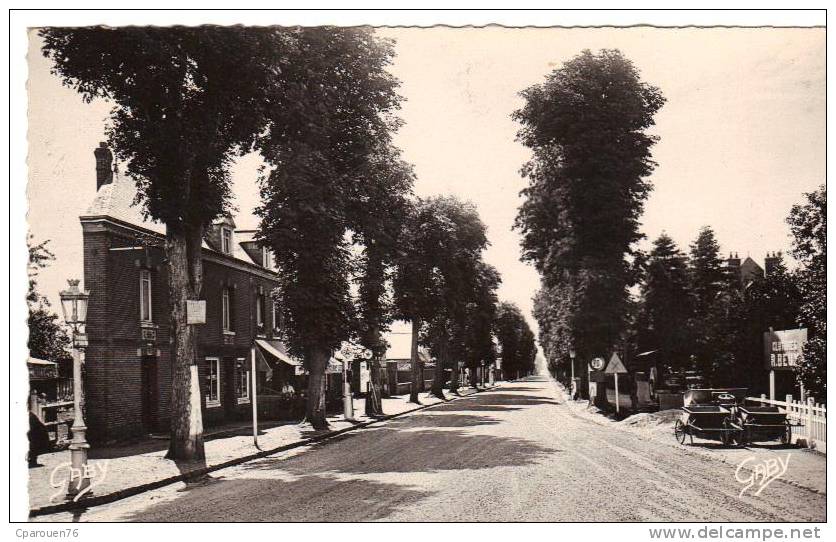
<point x="809" y="420"/>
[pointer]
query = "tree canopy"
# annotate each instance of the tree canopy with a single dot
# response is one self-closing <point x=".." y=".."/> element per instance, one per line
<point x="808" y="224"/>
<point x="47" y="337"/>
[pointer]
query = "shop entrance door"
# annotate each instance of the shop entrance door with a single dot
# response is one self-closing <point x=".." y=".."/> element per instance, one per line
<point x="150" y="394"/>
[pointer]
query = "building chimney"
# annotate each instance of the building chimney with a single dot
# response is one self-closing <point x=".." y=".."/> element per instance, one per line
<point x="104" y="163"/>
<point x="771" y="263"/>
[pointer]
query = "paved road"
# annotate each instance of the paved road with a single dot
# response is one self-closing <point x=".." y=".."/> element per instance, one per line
<point x="513" y="453"/>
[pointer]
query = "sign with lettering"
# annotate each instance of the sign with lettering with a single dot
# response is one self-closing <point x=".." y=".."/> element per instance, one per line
<point x="597" y="364"/>
<point x="195" y="311"/>
<point x="782" y="349"/>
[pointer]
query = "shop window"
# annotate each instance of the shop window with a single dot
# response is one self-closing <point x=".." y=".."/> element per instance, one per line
<point x="242" y="381"/>
<point x="213" y="382"/>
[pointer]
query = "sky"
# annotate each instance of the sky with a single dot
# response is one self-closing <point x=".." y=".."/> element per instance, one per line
<point x="742" y="135"/>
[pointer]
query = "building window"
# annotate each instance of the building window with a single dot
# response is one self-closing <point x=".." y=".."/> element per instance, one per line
<point x="226" y="240"/>
<point x="226" y="310"/>
<point x="242" y="381"/>
<point x="145" y="296"/>
<point x="213" y="382"/>
<point x="277" y="322"/>
<point x="259" y="312"/>
<point x="267" y="257"/>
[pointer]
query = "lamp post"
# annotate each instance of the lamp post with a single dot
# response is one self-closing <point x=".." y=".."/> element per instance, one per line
<point x="74" y="307"/>
<point x="572" y="360"/>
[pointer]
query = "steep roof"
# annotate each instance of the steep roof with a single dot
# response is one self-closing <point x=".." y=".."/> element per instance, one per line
<point x="116" y="200"/>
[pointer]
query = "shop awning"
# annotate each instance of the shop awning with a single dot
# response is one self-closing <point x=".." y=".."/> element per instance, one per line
<point x="277" y="350"/>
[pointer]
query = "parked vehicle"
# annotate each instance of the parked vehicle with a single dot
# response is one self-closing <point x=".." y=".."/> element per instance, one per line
<point x="722" y="414"/>
<point x="758" y="423"/>
<point x="710" y="414"/>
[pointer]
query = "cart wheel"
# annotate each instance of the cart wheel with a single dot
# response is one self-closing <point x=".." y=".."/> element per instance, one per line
<point x="726" y="435"/>
<point x="679" y="431"/>
<point x="786" y="438"/>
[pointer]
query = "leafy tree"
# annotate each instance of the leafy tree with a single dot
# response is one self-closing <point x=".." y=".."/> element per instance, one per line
<point x="436" y="274"/>
<point x="467" y="286"/>
<point x="329" y="139"/>
<point x="665" y="308"/>
<point x="480" y="319"/>
<point x="47" y="337"/>
<point x="516" y="340"/>
<point x="808" y="223"/>
<point x="379" y="223"/>
<point x="186" y="101"/>
<point x="553" y="309"/>
<point x="587" y="127"/>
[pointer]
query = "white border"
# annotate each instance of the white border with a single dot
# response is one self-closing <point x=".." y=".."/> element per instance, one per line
<point x="17" y="42"/>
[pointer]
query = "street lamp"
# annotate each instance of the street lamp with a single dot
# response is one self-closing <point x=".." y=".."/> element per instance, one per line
<point x="572" y="357"/>
<point x="74" y="307"/>
<point x="572" y="360"/>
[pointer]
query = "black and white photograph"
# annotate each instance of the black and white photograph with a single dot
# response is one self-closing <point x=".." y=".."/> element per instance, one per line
<point x="420" y="267"/>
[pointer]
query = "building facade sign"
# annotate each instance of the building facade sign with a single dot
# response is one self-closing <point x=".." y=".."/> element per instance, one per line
<point x="195" y="311"/>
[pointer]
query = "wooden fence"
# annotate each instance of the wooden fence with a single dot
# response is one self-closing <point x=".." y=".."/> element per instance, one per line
<point x="809" y="420"/>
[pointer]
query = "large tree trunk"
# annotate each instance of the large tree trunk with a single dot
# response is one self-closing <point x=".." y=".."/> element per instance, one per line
<point x="185" y="280"/>
<point x="454" y="379"/>
<point x="474" y="378"/>
<point x="438" y="378"/>
<point x="315" y="409"/>
<point x="374" y="399"/>
<point x="417" y="376"/>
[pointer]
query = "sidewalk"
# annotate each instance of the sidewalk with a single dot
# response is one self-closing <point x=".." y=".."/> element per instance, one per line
<point x="121" y="471"/>
<point x="805" y="468"/>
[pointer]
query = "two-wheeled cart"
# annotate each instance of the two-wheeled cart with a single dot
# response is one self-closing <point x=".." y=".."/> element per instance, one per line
<point x="709" y="414"/>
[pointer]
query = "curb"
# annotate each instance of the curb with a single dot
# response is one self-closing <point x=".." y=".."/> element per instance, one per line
<point x="98" y="500"/>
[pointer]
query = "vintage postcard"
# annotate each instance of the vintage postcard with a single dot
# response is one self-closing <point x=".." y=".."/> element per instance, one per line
<point x="284" y="272"/>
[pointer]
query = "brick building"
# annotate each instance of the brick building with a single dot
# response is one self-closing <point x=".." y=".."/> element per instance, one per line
<point x="128" y="365"/>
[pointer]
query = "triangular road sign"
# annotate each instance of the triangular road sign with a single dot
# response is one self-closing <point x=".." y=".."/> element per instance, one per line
<point x="615" y="365"/>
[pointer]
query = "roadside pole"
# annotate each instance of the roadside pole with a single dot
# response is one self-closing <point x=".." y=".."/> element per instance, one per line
<point x="254" y="396"/>
<point x="348" y="401"/>
<point x="617" y="402"/>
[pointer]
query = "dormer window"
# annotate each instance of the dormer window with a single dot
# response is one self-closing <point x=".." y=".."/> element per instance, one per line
<point x="226" y="240"/>
<point x="267" y="257"/>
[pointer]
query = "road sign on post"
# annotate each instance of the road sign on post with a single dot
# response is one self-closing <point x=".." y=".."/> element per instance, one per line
<point x="615" y="367"/>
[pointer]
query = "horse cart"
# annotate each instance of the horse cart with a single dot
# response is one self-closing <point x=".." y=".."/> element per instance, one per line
<point x="709" y="414"/>
<point x="758" y="423"/>
<point x="722" y="414"/>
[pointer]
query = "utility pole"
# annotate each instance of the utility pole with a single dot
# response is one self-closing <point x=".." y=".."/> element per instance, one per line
<point x="254" y="394"/>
